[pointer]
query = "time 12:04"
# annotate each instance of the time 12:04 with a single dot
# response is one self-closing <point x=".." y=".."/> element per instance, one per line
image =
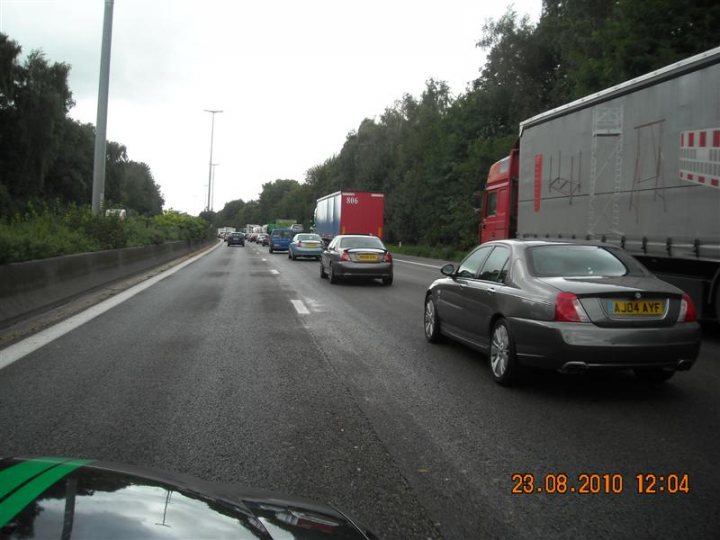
<point x="651" y="483"/>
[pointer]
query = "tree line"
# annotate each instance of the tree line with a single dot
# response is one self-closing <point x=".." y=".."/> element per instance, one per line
<point x="430" y="154"/>
<point x="47" y="156"/>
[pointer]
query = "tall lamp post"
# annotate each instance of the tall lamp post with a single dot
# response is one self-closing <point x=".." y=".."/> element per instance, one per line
<point x="210" y="166"/>
<point x="212" y="194"/>
<point x="100" y="159"/>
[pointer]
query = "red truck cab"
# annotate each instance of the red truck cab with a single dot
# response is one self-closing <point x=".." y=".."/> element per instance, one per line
<point x="498" y="217"/>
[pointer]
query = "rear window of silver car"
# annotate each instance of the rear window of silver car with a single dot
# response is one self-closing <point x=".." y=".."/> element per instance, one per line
<point x="360" y="242"/>
<point x="579" y="261"/>
<point x="306" y="237"/>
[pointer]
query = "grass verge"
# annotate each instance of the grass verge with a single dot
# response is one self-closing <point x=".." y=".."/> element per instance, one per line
<point x="443" y="253"/>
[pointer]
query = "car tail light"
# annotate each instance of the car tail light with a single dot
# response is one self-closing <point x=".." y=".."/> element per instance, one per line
<point x="345" y="257"/>
<point x="687" y="309"/>
<point x="387" y="257"/>
<point x="568" y="308"/>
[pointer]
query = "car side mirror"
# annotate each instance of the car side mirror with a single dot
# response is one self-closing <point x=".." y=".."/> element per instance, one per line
<point x="448" y="270"/>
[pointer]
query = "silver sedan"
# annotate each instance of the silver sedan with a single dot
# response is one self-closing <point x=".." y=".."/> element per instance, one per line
<point x="563" y="306"/>
<point x="356" y="256"/>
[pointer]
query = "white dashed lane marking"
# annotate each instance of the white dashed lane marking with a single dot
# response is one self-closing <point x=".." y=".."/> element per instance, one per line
<point x="273" y="271"/>
<point x="300" y="307"/>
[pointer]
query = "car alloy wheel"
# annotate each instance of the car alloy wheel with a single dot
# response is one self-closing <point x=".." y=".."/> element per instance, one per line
<point x="431" y="321"/>
<point x="502" y="354"/>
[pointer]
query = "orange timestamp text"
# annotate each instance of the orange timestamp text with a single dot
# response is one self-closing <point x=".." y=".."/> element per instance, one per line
<point x="600" y="483"/>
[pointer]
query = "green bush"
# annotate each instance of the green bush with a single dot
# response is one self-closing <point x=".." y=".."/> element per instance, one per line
<point x="49" y="230"/>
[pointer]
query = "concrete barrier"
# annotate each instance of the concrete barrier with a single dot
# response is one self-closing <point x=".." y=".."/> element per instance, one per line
<point x="33" y="285"/>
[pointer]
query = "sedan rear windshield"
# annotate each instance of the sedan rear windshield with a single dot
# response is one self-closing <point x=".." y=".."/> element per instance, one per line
<point x="361" y="242"/>
<point x="580" y="261"/>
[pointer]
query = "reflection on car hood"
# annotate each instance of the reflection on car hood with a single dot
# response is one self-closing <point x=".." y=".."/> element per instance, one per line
<point x="76" y="499"/>
<point x="619" y="285"/>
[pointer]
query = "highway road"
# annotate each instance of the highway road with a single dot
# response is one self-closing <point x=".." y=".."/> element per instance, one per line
<point x="246" y="367"/>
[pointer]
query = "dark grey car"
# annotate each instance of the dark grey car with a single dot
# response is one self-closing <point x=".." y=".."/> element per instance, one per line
<point x="356" y="256"/>
<point x="563" y="306"/>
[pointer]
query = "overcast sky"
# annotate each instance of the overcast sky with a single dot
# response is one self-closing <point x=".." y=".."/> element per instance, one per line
<point x="292" y="77"/>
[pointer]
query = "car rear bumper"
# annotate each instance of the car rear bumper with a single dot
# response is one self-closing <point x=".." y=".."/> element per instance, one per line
<point x="366" y="270"/>
<point x="575" y="347"/>
<point x="307" y="252"/>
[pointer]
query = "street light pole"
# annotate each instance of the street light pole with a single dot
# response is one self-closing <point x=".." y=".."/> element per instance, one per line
<point x="98" y="191"/>
<point x="210" y="166"/>
<point x="212" y="194"/>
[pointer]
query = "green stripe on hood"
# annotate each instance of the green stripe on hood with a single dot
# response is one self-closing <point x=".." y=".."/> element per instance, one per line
<point x="50" y="470"/>
<point x="14" y="476"/>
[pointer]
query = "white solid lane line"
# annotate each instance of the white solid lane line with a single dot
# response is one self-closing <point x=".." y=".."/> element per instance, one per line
<point x="300" y="307"/>
<point x="273" y="271"/>
<point x="416" y="263"/>
<point x="15" y="352"/>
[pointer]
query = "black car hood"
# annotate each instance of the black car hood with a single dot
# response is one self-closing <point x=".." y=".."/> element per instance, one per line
<point x="77" y="499"/>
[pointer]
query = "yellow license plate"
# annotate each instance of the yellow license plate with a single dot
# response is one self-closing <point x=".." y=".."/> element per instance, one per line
<point x="637" y="307"/>
<point x="367" y="257"/>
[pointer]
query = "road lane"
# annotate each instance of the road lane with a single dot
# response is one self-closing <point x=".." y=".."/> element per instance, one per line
<point x="215" y="372"/>
<point x="208" y="373"/>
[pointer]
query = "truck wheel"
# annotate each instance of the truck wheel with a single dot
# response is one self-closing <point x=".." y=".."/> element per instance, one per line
<point x="323" y="275"/>
<point x="503" y="361"/>
<point x="333" y="277"/>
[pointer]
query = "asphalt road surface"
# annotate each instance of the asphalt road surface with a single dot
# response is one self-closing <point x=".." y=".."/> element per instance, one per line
<point x="246" y="367"/>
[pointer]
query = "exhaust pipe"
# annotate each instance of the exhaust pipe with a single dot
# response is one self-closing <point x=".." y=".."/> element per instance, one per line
<point x="684" y="365"/>
<point x="574" y="367"/>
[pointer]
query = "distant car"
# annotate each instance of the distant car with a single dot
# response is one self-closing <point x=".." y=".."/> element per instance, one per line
<point x="236" y="239"/>
<point x="280" y="239"/>
<point x="305" y="245"/>
<point x="253" y="237"/>
<point x="262" y="239"/>
<point x="570" y="307"/>
<point x="356" y="256"/>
